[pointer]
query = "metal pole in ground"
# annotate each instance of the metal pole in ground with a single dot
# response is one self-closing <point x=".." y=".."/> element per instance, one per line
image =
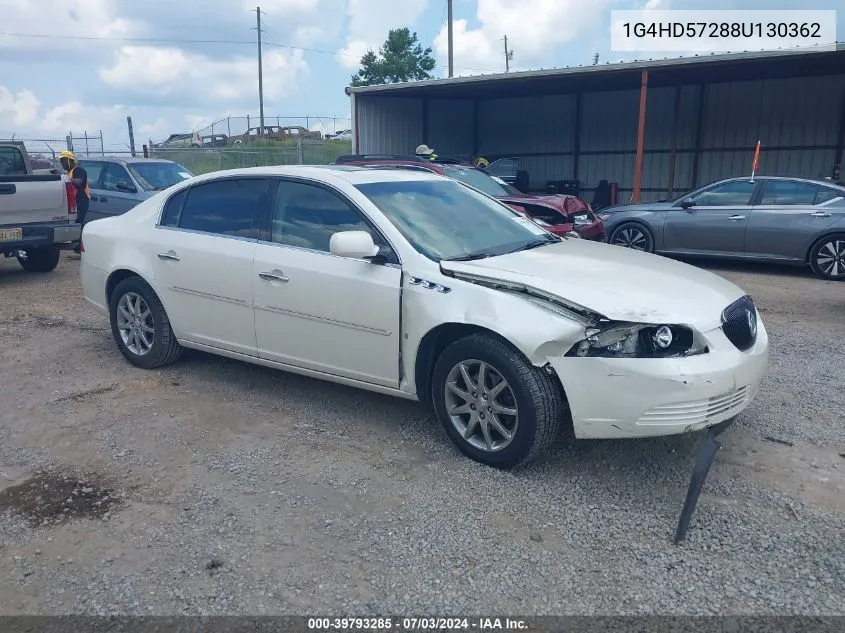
<point x="131" y="135"/>
<point x="260" y="71"/>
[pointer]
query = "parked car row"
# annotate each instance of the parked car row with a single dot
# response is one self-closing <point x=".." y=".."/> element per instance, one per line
<point x="412" y="283"/>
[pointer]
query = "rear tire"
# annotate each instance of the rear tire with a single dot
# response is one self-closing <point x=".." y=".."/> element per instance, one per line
<point x="827" y="257"/>
<point x="140" y="325"/>
<point x="39" y="260"/>
<point x="534" y="397"/>
<point x="634" y="236"/>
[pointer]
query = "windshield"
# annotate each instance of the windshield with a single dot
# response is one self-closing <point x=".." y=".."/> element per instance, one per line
<point x="476" y="178"/>
<point x="158" y="176"/>
<point x="446" y="220"/>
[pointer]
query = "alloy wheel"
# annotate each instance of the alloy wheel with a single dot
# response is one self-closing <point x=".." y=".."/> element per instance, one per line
<point x="830" y="258"/>
<point x="135" y="323"/>
<point x="481" y="405"/>
<point x="631" y="237"/>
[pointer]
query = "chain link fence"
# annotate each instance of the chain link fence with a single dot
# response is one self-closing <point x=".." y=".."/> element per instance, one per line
<point x="228" y="144"/>
<point x="200" y="160"/>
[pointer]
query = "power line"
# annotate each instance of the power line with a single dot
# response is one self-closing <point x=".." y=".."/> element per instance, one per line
<point x="166" y="40"/>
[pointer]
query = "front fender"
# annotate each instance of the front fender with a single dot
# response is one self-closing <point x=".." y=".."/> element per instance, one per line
<point x="536" y="332"/>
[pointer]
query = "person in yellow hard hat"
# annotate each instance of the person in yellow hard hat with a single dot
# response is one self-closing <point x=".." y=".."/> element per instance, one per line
<point x="481" y="162"/>
<point x="425" y="152"/>
<point x="79" y="179"/>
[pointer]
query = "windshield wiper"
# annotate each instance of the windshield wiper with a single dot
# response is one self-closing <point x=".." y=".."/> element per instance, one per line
<point x="468" y="257"/>
<point x="534" y="244"/>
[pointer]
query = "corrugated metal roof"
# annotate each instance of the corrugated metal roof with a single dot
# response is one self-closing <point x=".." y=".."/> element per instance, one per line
<point x="678" y="62"/>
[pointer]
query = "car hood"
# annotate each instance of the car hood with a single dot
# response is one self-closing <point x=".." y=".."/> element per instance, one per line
<point x="617" y="283"/>
<point x="552" y="202"/>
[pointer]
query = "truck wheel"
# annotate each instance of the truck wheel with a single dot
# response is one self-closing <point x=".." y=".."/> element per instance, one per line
<point x="495" y="406"/>
<point x="140" y="325"/>
<point x="39" y="260"/>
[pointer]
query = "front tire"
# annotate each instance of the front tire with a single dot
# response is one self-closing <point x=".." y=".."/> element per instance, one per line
<point x="140" y="325"/>
<point x="39" y="260"/>
<point x="493" y="404"/>
<point x="634" y="236"/>
<point x="827" y="257"/>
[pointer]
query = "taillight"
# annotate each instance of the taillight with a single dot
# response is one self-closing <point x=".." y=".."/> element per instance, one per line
<point x="71" y="198"/>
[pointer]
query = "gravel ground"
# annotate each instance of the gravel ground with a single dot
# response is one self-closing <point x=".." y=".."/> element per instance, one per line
<point x="237" y="489"/>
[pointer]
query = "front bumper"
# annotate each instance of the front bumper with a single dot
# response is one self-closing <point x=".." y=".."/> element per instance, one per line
<point x="645" y="397"/>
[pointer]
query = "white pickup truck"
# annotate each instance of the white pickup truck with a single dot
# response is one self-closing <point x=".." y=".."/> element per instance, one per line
<point x="37" y="212"/>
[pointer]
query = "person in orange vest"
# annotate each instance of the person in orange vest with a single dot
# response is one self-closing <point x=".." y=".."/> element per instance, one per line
<point x="79" y="179"/>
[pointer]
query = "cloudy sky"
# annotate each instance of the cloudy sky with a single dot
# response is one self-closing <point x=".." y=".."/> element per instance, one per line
<point x="174" y="66"/>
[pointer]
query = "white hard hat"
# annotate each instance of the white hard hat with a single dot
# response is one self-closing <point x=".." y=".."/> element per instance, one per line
<point x="424" y="150"/>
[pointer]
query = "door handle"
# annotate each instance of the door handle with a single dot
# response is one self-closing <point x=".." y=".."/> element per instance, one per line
<point x="820" y="214"/>
<point x="275" y="275"/>
<point x="103" y="199"/>
<point x="736" y="218"/>
<point x="94" y="198"/>
<point x="169" y="255"/>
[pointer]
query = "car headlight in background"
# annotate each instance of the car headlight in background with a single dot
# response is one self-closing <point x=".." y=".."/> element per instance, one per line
<point x="636" y="340"/>
<point x="573" y="234"/>
<point x="603" y="216"/>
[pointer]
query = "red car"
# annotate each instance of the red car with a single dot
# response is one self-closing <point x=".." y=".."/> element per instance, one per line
<point x="557" y="213"/>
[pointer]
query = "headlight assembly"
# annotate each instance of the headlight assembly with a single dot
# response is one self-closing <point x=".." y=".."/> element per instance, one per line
<point x="636" y="340"/>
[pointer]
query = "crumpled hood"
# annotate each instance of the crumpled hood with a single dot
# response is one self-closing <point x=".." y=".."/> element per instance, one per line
<point x="618" y="283"/>
<point x="552" y="202"/>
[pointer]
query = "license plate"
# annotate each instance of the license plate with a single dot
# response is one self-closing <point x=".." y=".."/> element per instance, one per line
<point x="8" y="235"/>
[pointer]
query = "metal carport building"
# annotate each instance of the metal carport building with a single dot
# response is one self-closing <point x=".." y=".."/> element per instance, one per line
<point x="658" y="128"/>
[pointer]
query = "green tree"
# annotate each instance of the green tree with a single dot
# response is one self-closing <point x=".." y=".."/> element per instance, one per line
<point x="401" y="58"/>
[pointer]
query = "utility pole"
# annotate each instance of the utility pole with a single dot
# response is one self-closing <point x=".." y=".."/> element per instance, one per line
<point x="451" y="48"/>
<point x="260" y="72"/>
<point x="508" y="56"/>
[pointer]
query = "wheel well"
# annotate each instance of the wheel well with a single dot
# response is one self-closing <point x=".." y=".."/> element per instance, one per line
<point x="819" y="239"/>
<point x="640" y="224"/>
<point x="433" y="344"/>
<point x="115" y="278"/>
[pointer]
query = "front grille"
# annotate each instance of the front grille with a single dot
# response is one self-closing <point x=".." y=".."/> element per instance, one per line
<point x="739" y="323"/>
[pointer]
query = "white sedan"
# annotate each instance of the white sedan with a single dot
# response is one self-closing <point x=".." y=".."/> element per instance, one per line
<point x="414" y="285"/>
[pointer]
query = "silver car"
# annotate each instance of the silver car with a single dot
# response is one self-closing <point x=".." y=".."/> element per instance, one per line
<point x="795" y="221"/>
<point x="118" y="184"/>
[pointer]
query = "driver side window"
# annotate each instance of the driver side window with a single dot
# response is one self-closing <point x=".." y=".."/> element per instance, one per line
<point x="114" y="174"/>
<point x="307" y="216"/>
<point x="727" y="194"/>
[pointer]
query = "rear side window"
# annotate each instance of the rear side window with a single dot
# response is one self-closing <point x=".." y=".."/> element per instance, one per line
<point x="226" y="207"/>
<point x="11" y="162"/>
<point x="173" y="209"/>
<point x="793" y="192"/>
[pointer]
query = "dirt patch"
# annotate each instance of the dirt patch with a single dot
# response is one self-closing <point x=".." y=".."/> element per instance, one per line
<point x="52" y="497"/>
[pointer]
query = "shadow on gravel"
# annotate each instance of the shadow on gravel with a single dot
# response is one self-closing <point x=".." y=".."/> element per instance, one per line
<point x="52" y="497"/>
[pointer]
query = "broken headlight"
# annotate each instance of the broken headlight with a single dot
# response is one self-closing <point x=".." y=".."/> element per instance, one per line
<point x="637" y="340"/>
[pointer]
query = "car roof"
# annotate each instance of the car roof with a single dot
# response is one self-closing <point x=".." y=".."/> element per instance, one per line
<point x="124" y="160"/>
<point x="352" y="174"/>
<point x="814" y="181"/>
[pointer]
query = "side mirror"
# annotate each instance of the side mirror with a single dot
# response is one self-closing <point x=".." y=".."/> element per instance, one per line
<point x="125" y="186"/>
<point x="353" y="244"/>
<point x="686" y="203"/>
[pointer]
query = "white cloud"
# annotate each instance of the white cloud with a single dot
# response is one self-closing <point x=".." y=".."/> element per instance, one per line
<point x="21" y="108"/>
<point x="175" y="72"/>
<point x="85" y="18"/>
<point x="533" y="27"/>
<point x="369" y="23"/>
